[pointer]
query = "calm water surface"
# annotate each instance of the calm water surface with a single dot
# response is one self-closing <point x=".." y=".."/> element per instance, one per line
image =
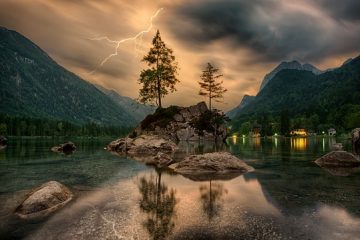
<point x="286" y="197"/>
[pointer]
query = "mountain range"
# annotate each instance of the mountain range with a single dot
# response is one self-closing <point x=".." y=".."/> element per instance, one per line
<point x="303" y="89"/>
<point x="34" y="85"/>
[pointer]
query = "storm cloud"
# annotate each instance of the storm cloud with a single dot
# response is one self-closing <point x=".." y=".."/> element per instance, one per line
<point x="244" y="39"/>
<point x="274" y="30"/>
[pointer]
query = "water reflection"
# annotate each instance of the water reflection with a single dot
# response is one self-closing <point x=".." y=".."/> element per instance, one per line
<point x="299" y="143"/>
<point x="158" y="202"/>
<point x="211" y="197"/>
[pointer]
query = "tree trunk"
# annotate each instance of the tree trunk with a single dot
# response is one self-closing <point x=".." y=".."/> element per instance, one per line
<point x="158" y="81"/>
<point x="159" y="92"/>
<point x="210" y="103"/>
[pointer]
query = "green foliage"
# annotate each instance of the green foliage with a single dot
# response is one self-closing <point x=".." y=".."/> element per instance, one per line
<point x="160" y="77"/>
<point x="300" y="99"/>
<point x="209" y="121"/>
<point x="245" y="128"/>
<point x="24" y="126"/>
<point x="284" y="123"/>
<point x="35" y="86"/>
<point x="161" y="118"/>
<point x="209" y="87"/>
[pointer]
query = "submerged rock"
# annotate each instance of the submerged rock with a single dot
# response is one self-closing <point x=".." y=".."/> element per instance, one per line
<point x="212" y="166"/>
<point x="338" y="159"/>
<point x="3" y="140"/>
<point x="44" y="200"/>
<point x="67" y="147"/>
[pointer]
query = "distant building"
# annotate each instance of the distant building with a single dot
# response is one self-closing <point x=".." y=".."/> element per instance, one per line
<point x="331" y="132"/>
<point x="299" y="132"/>
<point x="256" y="130"/>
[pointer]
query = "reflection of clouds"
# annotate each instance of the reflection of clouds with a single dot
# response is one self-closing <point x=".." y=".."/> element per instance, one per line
<point x="245" y="210"/>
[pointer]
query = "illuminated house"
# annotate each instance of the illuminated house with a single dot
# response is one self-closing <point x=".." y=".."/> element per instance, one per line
<point x="256" y="129"/>
<point x="299" y="132"/>
<point x="331" y="132"/>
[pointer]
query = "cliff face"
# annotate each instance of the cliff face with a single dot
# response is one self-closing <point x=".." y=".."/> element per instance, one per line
<point x="175" y="123"/>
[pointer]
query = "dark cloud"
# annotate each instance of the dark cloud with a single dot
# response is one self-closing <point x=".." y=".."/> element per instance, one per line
<point x="342" y="10"/>
<point x="271" y="30"/>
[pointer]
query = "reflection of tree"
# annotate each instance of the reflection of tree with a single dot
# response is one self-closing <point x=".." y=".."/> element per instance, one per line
<point x="212" y="198"/>
<point x="159" y="205"/>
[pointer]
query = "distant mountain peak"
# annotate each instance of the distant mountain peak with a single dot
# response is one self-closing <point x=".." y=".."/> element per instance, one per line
<point x="244" y="102"/>
<point x="294" y="64"/>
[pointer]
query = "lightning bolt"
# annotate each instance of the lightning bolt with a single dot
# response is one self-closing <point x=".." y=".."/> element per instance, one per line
<point x="137" y="39"/>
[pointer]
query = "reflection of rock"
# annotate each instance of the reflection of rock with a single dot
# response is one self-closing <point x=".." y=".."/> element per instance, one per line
<point x="338" y="159"/>
<point x="150" y="149"/>
<point x="158" y="202"/>
<point x="355" y="139"/>
<point x="3" y="140"/>
<point x="67" y="147"/>
<point x="340" y="171"/>
<point x="44" y="200"/>
<point x="217" y="163"/>
<point x="201" y="177"/>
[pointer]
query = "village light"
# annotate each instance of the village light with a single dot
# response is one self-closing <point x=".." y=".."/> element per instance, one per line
<point x="275" y="134"/>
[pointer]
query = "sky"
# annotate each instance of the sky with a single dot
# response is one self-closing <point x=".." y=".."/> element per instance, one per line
<point x="244" y="39"/>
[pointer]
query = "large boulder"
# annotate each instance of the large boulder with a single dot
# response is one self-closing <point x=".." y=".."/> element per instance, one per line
<point x="150" y="149"/>
<point x="67" y="147"/>
<point x="44" y="200"/>
<point x="211" y="166"/>
<point x="3" y="140"/>
<point x="355" y="139"/>
<point x="175" y="123"/>
<point x="338" y="159"/>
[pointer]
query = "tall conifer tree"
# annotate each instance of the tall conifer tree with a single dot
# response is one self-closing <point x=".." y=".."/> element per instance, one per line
<point x="209" y="86"/>
<point x="160" y="77"/>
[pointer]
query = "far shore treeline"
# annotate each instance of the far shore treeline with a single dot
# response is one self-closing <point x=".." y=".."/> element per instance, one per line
<point x="25" y="126"/>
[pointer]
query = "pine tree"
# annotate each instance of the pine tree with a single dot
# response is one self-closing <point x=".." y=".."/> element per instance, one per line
<point x="160" y="77"/>
<point x="209" y="86"/>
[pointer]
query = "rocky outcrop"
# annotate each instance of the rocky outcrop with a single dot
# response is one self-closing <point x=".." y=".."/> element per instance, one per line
<point x="44" y="200"/>
<point x="211" y="166"/>
<point x="355" y="139"/>
<point x="67" y="147"/>
<point x="175" y="123"/>
<point x="338" y="159"/>
<point x="3" y="140"/>
<point x="150" y="149"/>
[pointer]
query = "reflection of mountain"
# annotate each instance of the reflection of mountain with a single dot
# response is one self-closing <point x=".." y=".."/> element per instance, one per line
<point x="158" y="202"/>
<point x="212" y="198"/>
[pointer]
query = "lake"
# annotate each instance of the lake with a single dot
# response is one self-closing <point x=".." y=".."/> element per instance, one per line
<point x="286" y="197"/>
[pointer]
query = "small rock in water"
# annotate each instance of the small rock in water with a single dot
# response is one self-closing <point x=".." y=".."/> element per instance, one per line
<point x="338" y="159"/>
<point x="211" y="166"/>
<point x="44" y="200"/>
<point x="67" y="147"/>
<point x="3" y="140"/>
